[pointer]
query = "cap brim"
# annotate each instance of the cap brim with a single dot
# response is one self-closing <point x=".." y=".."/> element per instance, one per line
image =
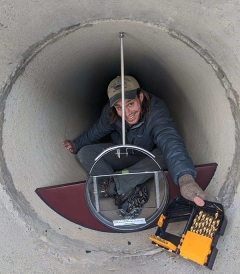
<point x="129" y="95"/>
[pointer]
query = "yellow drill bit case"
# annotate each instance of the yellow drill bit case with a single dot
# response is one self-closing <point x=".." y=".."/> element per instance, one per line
<point x="201" y="229"/>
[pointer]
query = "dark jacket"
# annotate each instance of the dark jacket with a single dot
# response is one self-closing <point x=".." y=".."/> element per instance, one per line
<point x="157" y="128"/>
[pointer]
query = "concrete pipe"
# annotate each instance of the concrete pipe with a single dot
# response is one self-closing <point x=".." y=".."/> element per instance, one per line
<point x="55" y="89"/>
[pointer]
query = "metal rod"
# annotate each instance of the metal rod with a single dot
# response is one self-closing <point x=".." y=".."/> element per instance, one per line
<point x="95" y="191"/>
<point x="121" y="35"/>
<point x="156" y="181"/>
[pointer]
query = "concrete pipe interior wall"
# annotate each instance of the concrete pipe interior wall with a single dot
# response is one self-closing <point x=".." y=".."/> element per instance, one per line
<point x="62" y="90"/>
<point x="59" y="87"/>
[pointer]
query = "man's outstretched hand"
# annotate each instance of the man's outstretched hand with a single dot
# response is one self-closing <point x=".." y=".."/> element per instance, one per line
<point x="70" y="146"/>
<point x="190" y="190"/>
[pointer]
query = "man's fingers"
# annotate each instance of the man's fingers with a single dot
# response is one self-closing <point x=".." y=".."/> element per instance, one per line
<point x="190" y="190"/>
<point x="66" y="142"/>
<point x="67" y="145"/>
<point x="198" y="201"/>
<point x="70" y="146"/>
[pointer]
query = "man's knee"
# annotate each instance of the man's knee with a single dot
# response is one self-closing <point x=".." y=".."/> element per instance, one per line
<point x="90" y="152"/>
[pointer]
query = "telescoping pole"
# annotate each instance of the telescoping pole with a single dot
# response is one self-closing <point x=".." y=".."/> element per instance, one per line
<point x="121" y="35"/>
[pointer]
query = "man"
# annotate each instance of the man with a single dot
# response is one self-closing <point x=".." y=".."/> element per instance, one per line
<point x="148" y="125"/>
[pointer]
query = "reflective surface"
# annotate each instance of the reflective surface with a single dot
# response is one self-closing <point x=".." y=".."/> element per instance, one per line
<point x="113" y="215"/>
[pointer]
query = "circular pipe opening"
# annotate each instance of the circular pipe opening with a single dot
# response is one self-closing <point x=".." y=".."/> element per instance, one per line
<point x="59" y="89"/>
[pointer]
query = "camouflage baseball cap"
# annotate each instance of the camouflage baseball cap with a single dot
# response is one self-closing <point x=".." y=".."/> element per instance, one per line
<point x="130" y="89"/>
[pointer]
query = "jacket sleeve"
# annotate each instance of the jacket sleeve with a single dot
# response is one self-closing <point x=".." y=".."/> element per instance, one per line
<point x="171" y="144"/>
<point x="100" y="129"/>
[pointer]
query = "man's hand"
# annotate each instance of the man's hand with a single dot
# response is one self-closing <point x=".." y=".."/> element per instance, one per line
<point x="70" y="146"/>
<point x="190" y="190"/>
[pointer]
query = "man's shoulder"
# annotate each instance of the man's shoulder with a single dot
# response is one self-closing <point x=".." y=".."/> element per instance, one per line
<point x="158" y="110"/>
<point x="156" y="103"/>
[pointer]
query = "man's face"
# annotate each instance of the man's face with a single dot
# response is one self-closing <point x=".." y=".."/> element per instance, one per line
<point x="132" y="109"/>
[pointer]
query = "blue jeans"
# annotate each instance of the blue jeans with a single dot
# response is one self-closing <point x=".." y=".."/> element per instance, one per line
<point x="111" y="164"/>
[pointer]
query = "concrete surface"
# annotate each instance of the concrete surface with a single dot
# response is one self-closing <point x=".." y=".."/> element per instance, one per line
<point x="57" y="58"/>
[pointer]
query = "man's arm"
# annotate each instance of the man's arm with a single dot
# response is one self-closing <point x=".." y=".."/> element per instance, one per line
<point x="179" y="163"/>
<point x="170" y="143"/>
